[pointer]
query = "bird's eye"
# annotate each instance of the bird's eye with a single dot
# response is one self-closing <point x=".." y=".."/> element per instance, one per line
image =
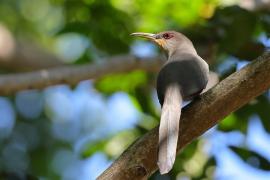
<point x="167" y="36"/>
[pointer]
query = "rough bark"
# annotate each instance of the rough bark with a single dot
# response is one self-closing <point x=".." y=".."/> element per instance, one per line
<point x="139" y="160"/>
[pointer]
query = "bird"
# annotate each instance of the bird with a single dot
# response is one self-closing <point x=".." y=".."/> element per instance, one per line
<point x="181" y="78"/>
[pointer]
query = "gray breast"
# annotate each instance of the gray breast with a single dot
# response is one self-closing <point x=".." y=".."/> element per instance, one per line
<point x="190" y="74"/>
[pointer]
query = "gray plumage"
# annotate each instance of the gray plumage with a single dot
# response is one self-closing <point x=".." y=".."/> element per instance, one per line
<point x="187" y="72"/>
<point x="169" y="128"/>
<point x="179" y="79"/>
<point x="182" y="77"/>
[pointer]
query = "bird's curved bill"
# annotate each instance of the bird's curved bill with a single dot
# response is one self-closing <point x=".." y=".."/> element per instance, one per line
<point x="144" y="35"/>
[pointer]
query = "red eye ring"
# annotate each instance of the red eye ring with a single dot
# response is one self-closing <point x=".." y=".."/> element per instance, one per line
<point x="167" y="36"/>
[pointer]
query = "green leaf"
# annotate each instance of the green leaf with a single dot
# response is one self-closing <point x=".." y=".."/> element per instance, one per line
<point x="252" y="158"/>
<point x="235" y="27"/>
<point x="121" y="82"/>
<point x="93" y="147"/>
<point x="229" y="123"/>
<point x="117" y="144"/>
<point x="259" y="106"/>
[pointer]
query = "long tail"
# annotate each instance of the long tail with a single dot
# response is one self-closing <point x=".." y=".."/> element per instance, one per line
<point x="169" y="127"/>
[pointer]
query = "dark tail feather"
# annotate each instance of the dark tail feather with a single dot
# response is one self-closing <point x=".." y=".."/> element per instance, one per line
<point x="169" y="127"/>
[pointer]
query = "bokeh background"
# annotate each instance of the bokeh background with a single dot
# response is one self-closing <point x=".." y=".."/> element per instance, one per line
<point x="76" y="132"/>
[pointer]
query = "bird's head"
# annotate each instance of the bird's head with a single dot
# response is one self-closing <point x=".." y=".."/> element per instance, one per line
<point x="170" y="41"/>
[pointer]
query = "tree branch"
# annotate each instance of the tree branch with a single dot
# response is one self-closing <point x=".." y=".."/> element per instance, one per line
<point x="12" y="83"/>
<point x="72" y="74"/>
<point x="139" y="160"/>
